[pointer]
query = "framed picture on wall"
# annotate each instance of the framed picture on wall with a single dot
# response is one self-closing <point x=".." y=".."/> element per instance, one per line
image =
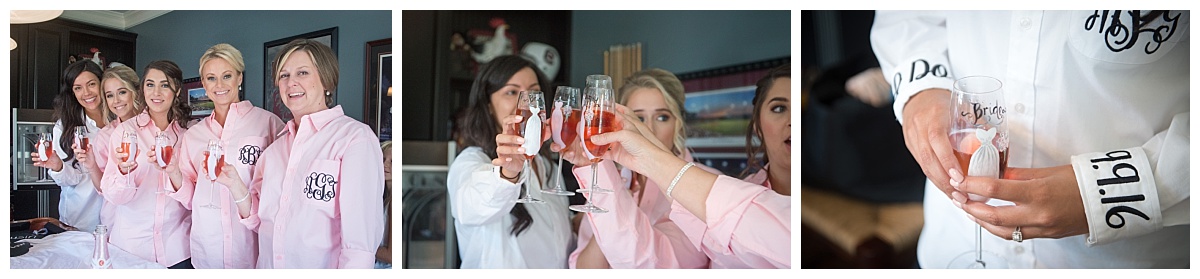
<point x="378" y="101"/>
<point x="201" y="105"/>
<point x="271" y="100"/>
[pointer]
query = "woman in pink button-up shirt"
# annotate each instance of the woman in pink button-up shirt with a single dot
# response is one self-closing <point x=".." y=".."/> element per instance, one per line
<point x="636" y="232"/>
<point x="321" y="198"/>
<point x="123" y="99"/>
<point x="738" y="224"/>
<point x="219" y="239"/>
<point x="150" y="224"/>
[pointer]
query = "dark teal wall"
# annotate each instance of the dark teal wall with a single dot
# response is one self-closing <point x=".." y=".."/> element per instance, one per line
<point x="679" y="41"/>
<point x="182" y="36"/>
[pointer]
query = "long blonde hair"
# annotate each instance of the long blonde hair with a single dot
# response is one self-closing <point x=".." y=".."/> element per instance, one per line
<point x="672" y="93"/>
<point x="130" y="80"/>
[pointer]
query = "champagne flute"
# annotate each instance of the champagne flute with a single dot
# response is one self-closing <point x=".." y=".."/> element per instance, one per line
<point x="162" y="154"/>
<point x="214" y="159"/>
<point x="45" y="146"/>
<point x="531" y="106"/>
<point x="979" y="136"/>
<point x="81" y="140"/>
<point x="129" y="145"/>
<point x="564" y="125"/>
<point x="598" y="117"/>
<point x="593" y="83"/>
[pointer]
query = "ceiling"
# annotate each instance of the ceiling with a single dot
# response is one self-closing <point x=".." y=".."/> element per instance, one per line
<point x="116" y="19"/>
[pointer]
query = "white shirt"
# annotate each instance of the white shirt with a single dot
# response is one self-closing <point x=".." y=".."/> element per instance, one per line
<point x="480" y="202"/>
<point x="1076" y="95"/>
<point x="78" y="204"/>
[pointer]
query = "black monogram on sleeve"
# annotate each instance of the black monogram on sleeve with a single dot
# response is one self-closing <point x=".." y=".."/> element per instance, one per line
<point x="1122" y="30"/>
<point x="320" y="186"/>
<point x="248" y="154"/>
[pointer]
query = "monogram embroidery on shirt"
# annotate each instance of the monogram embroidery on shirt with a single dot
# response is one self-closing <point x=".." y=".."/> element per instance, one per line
<point x="249" y="154"/>
<point x="320" y="186"/>
<point x="1119" y="37"/>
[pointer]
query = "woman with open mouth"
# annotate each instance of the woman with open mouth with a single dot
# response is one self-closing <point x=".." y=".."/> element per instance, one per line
<point x="736" y="223"/>
<point x="319" y="202"/>
<point x="218" y="240"/>
<point x="123" y="100"/>
<point x="152" y="225"/>
<point x="78" y="104"/>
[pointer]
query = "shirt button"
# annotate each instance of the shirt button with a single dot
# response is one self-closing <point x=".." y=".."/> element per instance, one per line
<point x="1026" y="23"/>
<point x="279" y="257"/>
<point x="1019" y="108"/>
<point x="1019" y="249"/>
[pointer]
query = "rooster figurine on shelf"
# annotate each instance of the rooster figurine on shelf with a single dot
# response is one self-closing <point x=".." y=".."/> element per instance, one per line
<point x="94" y="56"/>
<point x="495" y="46"/>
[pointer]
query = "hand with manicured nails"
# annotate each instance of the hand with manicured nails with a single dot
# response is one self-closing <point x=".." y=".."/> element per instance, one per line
<point x="927" y="135"/>
<point x="1048" y="204"/>
<point x="124" y="166"/>
<point x="54" y="163"/>
<point x="510" y="154"/>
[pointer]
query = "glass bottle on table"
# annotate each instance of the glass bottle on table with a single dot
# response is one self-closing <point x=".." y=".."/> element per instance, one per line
<point x="100" y="259"/>
<point x="564" y="129"/>
<point x="979" y="137"/>
<point x="531" y="106"/>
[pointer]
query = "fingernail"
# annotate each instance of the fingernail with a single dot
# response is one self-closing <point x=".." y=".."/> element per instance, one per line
<point x="956" y="203"/>
<point x="956" y="177"/>
<point x="521" y="149"/>
<point x="958" y="198"/>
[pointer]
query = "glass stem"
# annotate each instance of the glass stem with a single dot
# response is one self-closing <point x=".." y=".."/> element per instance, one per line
<point x="558" y="183"/>
<point x="527" y="196"/>
<point x="979" y="245"/>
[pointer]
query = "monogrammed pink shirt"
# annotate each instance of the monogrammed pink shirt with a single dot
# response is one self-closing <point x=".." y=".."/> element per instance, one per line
<point x="633" y="234"/>
<point x="149" y="224"/>
<point x="748" y="225"/>
<point x="321" y="199"/>
<point x="218" y="238"/>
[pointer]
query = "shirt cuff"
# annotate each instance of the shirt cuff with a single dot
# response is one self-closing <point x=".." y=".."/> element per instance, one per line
<point x="1119" y="195"/>
<point x="726" y="205"/>
<point x="921" y="72"/>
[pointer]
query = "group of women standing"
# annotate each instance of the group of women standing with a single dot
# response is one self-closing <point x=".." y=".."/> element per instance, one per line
<point x="303" y="194"/>
<point x="663" y="213"/>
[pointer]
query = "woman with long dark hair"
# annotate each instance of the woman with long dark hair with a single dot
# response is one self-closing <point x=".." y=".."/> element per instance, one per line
<point x="151" y="224"/>
<point x="485" y="180"/>
<point x="79" y="104"/>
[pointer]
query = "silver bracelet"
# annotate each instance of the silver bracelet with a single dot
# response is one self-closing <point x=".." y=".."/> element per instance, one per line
<point x="677" y="176"/>
<point x="242" y="199"/>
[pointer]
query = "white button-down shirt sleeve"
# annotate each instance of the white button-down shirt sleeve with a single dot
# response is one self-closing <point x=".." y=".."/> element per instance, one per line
<point x="1103" y="91"/>
<point x="911" y="47"/>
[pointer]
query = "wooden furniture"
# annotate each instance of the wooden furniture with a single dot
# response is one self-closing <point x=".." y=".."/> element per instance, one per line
<point x="438" y="73"/>
<point x="44" y="50"/>
<point x="855" y="233"/>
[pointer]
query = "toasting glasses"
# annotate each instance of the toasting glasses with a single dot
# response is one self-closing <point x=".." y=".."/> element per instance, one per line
<point x="979" y="136"/>
<point x="564" y="129"/>
<point x="598" y="117"/>
<point x="531" y="106"/>
<point x="214" y="159"/>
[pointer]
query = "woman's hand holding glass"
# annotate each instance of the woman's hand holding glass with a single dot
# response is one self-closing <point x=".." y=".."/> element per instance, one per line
<point x="510" y="154"/>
